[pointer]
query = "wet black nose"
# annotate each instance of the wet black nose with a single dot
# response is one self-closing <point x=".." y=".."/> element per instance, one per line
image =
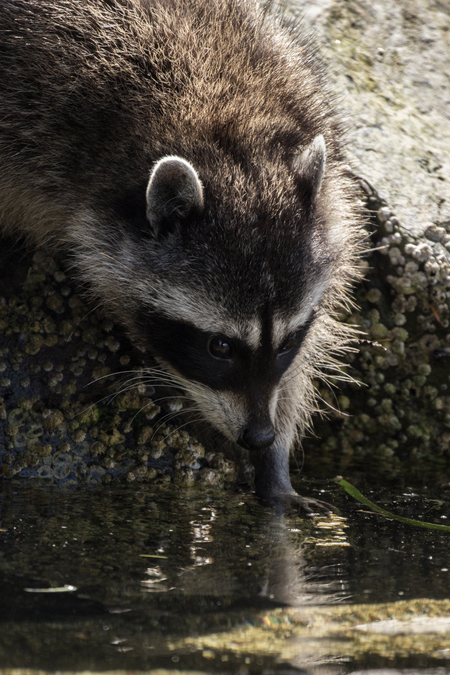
<point x="255" y="436"/>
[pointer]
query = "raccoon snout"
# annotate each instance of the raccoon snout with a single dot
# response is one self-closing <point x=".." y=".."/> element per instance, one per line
<point x="257" y="436"/>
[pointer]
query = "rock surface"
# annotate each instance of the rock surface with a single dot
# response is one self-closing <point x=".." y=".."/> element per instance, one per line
<point x="390" y="62"/>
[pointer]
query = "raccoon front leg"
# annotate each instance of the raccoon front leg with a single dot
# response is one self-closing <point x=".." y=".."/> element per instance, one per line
<point x="273" y="484"/>
<point x="272" y="479"/>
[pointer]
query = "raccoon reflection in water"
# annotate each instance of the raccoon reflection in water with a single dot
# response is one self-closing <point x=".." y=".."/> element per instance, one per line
<point x="187" y="156"/>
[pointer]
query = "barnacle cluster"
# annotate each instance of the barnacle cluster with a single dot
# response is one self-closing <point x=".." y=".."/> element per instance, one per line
<point x="395" y="415"/>
<point x="75" y="402"/>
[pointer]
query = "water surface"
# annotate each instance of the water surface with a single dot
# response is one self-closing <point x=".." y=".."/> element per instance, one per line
<point x="135" y="578"/>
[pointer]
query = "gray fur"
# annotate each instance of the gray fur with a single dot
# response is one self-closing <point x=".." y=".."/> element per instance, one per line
<point x="187" y="155"/>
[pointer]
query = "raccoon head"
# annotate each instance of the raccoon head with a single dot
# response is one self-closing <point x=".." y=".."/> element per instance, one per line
<point x="219" y="323"/>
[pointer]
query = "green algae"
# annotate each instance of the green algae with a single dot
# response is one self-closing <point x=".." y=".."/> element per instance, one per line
<point x="356" y="494"/>
<point x="343" y="633"/>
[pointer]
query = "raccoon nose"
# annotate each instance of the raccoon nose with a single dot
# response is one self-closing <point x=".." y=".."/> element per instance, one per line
<point x="255" y="437"/>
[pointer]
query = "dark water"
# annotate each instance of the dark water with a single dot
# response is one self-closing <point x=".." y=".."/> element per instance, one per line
<point x="132" y="572"/>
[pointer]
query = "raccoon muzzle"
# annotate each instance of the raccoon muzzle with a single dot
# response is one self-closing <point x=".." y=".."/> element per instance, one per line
<point x="257" y="436"/>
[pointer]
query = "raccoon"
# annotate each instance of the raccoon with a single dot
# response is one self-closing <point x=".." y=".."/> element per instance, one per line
<point x="187" y="155"/>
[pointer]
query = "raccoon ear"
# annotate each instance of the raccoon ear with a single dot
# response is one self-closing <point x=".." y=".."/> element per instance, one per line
<point x="174" y="191"/>
<point x="310" y="167"/>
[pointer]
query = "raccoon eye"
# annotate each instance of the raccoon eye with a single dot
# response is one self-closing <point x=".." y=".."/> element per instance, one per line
<point x="288" y="344"/>
<point x="219" y="347"/>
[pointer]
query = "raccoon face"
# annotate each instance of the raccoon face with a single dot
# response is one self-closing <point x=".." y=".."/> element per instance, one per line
<point x="228" y="357"/>
<point x="234" y="384"/>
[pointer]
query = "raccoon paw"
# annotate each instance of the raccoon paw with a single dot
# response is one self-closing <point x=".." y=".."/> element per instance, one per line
<point x="309" y="506"/>
<point x="306" y="506"/>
